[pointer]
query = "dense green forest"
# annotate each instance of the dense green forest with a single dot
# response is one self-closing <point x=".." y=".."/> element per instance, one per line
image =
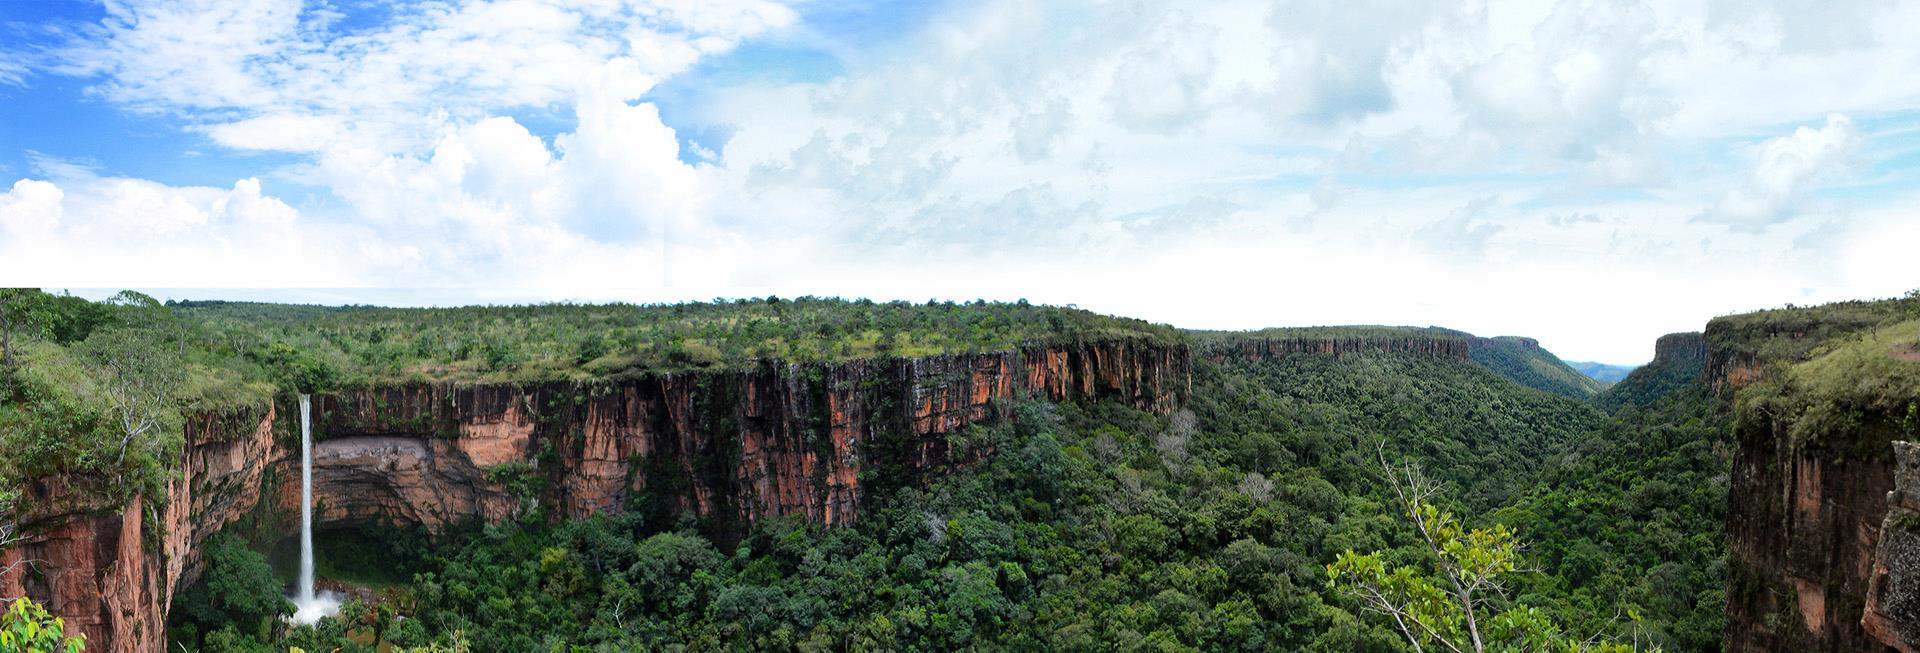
<point x="1094" y="526"/>
<point x="1524" y="361"/>
<point x="1081" y="525"/>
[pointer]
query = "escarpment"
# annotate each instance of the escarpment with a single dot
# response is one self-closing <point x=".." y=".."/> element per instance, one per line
<point x="726" y="446"/>
<point x="1687" y="350"/>
<point x="730" y="447"/>
<point x="1892" y="612"/>
<point x="1679" y="364"/>
<point x="1821" y="519"/>
<point x="110" y="567"/>
<point x="1261" y="348"/>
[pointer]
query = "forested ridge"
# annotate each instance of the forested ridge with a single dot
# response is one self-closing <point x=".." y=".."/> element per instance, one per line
<point x="1078" y="525"/>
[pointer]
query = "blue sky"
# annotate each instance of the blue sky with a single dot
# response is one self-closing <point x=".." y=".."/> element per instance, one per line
<point x="1591" y="173"/>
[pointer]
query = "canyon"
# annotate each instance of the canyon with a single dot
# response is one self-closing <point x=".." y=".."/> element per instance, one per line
<point x="1823" y="541"/>
<point x="728" y="447"/>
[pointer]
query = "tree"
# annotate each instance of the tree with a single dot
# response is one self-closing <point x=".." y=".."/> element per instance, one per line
<point x="26" y="626"/>
<point x="1456" y="608"/>
<point x="142" y="370"/>
<point x="238" y="591"/>
<point x="15" y="304"/>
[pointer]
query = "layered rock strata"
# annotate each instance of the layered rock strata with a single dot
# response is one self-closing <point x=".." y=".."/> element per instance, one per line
<point x="728" y="447"/>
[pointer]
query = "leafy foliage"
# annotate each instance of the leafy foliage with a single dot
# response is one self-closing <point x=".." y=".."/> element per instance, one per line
<point x="237" y="594"/>
<point x="1631" y="519"/>
<point x="26" y="626"/>
<point x="1461" y="604"/>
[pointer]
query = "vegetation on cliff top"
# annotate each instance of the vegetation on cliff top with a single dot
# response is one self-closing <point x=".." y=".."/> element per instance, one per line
<point x="1212" y="339"/>
<point x="1858" y="391"/>
<point x="1788" y="335"/>
<point x="365" y="344"/>
<point x="99" y="392"/>
<point x="1520" y="360"/>
<point x="1844" y="376"/>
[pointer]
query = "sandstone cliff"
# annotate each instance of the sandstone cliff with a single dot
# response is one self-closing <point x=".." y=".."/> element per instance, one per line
<point x="1441" y="345"/>
<point x="1822" y="550"/>
<point x="104" y="568"/>
<point x="729" y="447"/>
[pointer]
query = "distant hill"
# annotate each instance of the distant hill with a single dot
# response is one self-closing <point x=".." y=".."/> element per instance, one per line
<point x="1602" y="372"/>
<point x="1678" y="361"/>
<point x="1521" y="360"/>
<point x="1527" y="363"/>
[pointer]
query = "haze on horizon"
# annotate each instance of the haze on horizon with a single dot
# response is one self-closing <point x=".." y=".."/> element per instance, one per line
<point x="1592" y="174"/>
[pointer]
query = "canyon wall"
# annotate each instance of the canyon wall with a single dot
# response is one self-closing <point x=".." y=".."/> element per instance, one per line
<point x="1817" y="560"/>
<point x="102" y="566"/>
<point x="1254" y="349"/>
<point x="732" y="448"/>
<point x="728" y="447"/>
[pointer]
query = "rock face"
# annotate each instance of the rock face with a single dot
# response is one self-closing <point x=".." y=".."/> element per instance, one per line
<point x="729" y="447"/>
<point x="1802" y="527"/>
<point x="1823" y="535"/>
<point x="1444" y="346"/>
<point x="97" y="565"/>
<point x="1892" y="614"/>
<point x="1686" y="349"/>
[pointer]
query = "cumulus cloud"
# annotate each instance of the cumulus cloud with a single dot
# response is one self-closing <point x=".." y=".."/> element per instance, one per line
<point x="1785" y="169"/>
<point x="1065" y="145"/>
<point x="272" y="58"/>
<point x="31" y="207"/>
<point x="404" y="120"/>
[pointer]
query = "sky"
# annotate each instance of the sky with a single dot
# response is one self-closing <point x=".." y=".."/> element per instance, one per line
<point x="1590" y="173"/>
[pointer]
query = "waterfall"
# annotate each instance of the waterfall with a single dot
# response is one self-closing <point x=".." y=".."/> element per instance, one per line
<point x="310" y="607"/>
<point x="306" y="499"/>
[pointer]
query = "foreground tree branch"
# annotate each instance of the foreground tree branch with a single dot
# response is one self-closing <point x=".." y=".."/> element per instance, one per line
<point x="1456" y="606"/>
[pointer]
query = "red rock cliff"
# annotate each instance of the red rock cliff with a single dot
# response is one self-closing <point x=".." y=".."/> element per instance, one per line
<point x="728" y="446"/>
<point x="102" y="568"/>
<point x="1443" y="346"/>
<point x="1823" y="554"/>
<point x="731" y="447"/>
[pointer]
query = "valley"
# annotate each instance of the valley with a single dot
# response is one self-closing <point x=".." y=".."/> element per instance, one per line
<point x="822" y="474"/>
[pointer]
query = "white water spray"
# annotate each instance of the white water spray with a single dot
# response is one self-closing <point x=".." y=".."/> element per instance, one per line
<point x="309" y="606"/>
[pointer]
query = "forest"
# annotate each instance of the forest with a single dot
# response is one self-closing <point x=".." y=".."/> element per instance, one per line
<point x="1261" y="515"/>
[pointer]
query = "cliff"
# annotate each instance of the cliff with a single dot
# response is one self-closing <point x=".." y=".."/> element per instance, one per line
<point x="1679" y="362"/>
<point x="1267" y="345"/>
<point x="726" y="446"/>
<point x="106" y="568"/>
<point x="1892" y="613"/>
<point x="1820" y="553"/>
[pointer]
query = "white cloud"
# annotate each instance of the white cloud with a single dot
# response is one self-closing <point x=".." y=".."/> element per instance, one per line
<point x="1785" y="169"/>
<point x="1368" y="161"/>
<point x="403" y="120"/>
<point x="31" y="207"/>
<point x="282" y="132"/>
